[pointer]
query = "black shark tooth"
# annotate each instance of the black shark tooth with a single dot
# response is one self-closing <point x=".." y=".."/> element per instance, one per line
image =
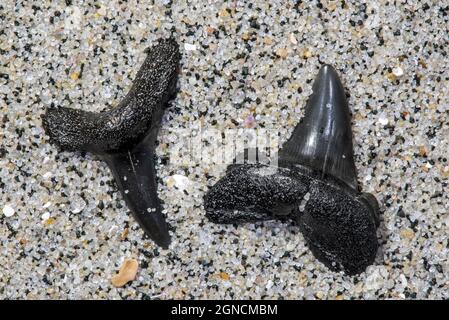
<point x="124" y="137"/>
<point x="315" y="185"/>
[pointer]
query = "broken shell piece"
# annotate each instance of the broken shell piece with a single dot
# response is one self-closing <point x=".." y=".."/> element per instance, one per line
<point x="124" y="136"/>
<point x="315" y="185"/>
<point x="127" y="273"/>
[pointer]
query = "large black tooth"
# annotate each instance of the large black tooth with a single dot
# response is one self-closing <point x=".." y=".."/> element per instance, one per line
<point x="124" y="136"/>
<point x="323" y="139"/>
<point x="315" y="185"/>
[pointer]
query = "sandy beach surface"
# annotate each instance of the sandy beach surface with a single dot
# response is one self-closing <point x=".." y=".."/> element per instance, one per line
<point x="64" y="227"/>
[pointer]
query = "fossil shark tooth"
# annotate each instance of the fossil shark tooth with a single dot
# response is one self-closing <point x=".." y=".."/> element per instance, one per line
<point x="338" y="222"/>
<point x="314" y="185"/>
<point x="125" y="136"/>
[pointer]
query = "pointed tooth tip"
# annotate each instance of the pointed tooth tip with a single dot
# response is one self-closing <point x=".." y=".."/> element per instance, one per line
<point x="164" y="243"/>
<point x="328" y="89"/>
<point x="327" y="73"/>
<point x="157" y="229"/>
<point x="327" y="68"/>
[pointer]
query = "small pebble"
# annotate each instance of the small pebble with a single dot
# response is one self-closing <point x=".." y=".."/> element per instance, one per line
<point x="74" y="76"/>
<point x="8" y="211"/>
<point x="179" y="181"/>
<point x="46" y="205"/>
<point x="47" y="175"/>
<point x="398" y="71"/>
<point x="77" y="204"/>
<point x="305" y="53"/>
<point x="407" y="233"/>
<point x="224" y="276"/>
<point x="383" y="120"/>
<point x="282" y="52"/>
<point x="249" y="122"/>
<point x="422" y="151"/>
<point x="45" y="216"/>
<point x="189" y="47"/>
<point x="292" y="39"/>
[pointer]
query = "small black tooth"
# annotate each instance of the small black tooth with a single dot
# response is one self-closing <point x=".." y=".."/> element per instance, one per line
<point x="323" y="139"/>
<point x="124" y="136"/>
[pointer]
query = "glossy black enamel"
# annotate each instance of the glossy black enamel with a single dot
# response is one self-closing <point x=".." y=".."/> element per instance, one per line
<point x="323" y="138"/>
<point x="135" y="175"/>
<point x="124" y="136"/>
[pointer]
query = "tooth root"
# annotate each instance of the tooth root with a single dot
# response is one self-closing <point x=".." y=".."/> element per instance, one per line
<point x="340" y="226"/>
<point x="253" y="192"/>
<point x="136" y="178"/>
<point x="323" y="139"/>
<point x="373" y="206"/>
<point x="127" y="123"/>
